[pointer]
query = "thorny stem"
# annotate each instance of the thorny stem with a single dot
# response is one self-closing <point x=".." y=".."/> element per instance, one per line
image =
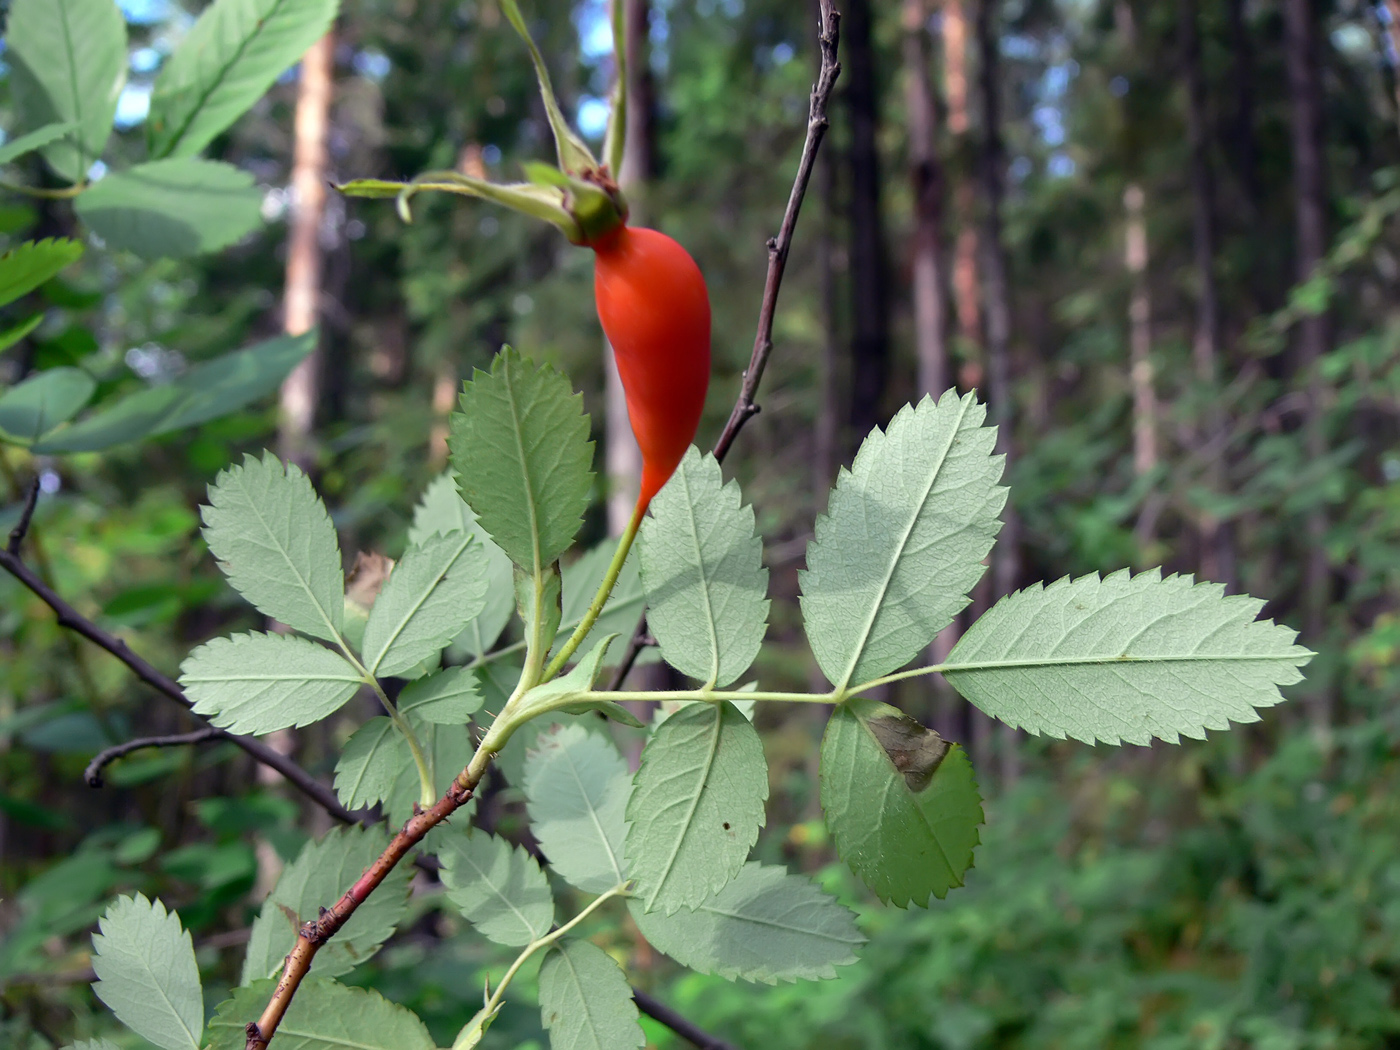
<point x="624" y="545"/>
<point x="745" y="408"/>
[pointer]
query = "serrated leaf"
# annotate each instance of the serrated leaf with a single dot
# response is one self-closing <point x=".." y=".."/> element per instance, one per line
<point x="431" y="595"/>
<point x="1125" y="658"/>
<point x="499" y="888"/>
<point x="696" y="805"/>
<point x="227" y="61"/>
<point x="207" y="391"/>
<point x="449" y="749"/>
<point x="43" y="401"/>
<point x="68" y="64"/>
<point x="906" y="822"/>
<point x="369" y="763"/>
<point x="319" y="877"/>
<point x="703" y="570"/>
<point x="448" y="697"/>
<point x="275" y="541"/>
<point x="173" y="209"/>
<point x="623" y="609"/>
<point x="28" y="265"/>
<point x="258" y="683"/>
<point x="764" y="925"/>
<point x="441" y="511"/>
<point x="146" y="973"/>
<point x="28" y="143"/>
<point x="12" y="335"/>
<point x="522" y="455"/>
<point x="902" y="542"/>
<point x="323" y="1015"/>
<point x="576" y="788"/>
<point x="585" y="1000"/>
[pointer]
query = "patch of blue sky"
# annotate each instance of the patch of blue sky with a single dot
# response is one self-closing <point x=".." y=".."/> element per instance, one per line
<point x="145" y="12"/>
<point x="1060" y="166"/>
<point x="145" y="59"/>
<point x="595" y="37"/>
<point x="592" y="116"/>
<point x="373" y="65"/>
<point x="133" y="104"/>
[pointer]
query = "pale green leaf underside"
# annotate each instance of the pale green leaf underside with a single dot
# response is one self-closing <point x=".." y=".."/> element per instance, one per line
<point x="449" y="749"/>
<point x="146" y="973"/>
<point x="173" y="208"/>
<point x="523" y="459"/>
<point x="764" y="925"/>
<point x="442" y="510"/>
<point x="275" y="541"/>
<point x="696" y="805"/>
<point x="370" y="762"/>
<point x="499" y="888"/>
<point x="576" y="787"/>
<point x="1125" y="659"/>
<point x="447" y="697"/>
<point x="902" y="542"/>
<point x="585" y="1000"/>
<point x="432" y="594"/>
<point x="904" y="844"/>
<point x="258" y="683"/>
<point x="319" y="876"/>
<point x="324" y="1015"/>
<point x="703" y="570"/>
<point x="68" y="64"/>
<point x="226" y="62"/>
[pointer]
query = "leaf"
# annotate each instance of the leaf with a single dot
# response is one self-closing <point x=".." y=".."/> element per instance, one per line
<point x="258" y="683"/>
<point x="522" y="455"/>
<point x="498" y="887"/>
<point x="43" y="401"/>
<point x="173" y="209"/>
<point x="321" y="874"/>
<point x="275" y="541"/>
<point x="764" y="925"/>
<point x="585" y="1000"/>
<point x="12" y="335"/>
<point x="448" y="697"/>
<point x="369" y="763"/>
<point x="67" y="63"/>
<point x="442" y="510"/>
<point x="905" y="823"/>
<point x="26" y="266"/>
<point x="227" y="61"/>
<point x="449" y="749"/>
<point x="146" y="973"/>
<point x="207" y="391"/>
<point x="323" y="1015"/>
<point x="576" y="788"/>
<point x="28" y="143"/>
<point x="696" y="805"/>
<point x="703" y="570"/>
<point x="92" y="1044"/>
<point x="1125" y="658"/>
<point x="431" y="595"/>
<point x="903" y="540"/>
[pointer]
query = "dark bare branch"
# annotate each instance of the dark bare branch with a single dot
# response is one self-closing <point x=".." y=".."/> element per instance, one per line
<point x="92" y="776"/>
<point x="18" y="533"/>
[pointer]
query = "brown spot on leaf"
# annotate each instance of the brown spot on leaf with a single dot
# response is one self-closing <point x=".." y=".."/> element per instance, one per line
<point x="915" y="750"/>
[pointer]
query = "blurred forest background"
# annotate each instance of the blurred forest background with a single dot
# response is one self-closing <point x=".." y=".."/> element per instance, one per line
<point x="1159" y="237"/>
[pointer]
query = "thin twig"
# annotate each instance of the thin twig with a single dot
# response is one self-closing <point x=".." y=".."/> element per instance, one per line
<point x="682" y="1026"/>
<point x="73" y="620"/>
<point x="745" y="408"/>
<point x="92" y="776"/>
<point x="18" y="533"/>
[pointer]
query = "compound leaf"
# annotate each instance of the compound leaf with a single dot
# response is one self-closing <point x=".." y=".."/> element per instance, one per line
<point x="576" y="787"/>
<point x="275" y="541"/>
<point x="696" y="805"/>
<point x="902" y="542"/>
<point x="447" y="697"/>
<point x="585" y="1000"/>
<point x="258" y="683"/>
<point x="703" y="570"/>
<point x="146" y="973"/>
<point x="764" y="925"/>
<point x="1125" y="658"/>
<point x="902" y="805"/>
<point x="370" y="762"/>
<point x="319" y="876"/>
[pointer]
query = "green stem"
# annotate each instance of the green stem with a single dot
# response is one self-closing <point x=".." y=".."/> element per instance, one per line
<point x="712" y="695"/>
<point x="66" y="193"/>
<point x="427" y="791"/>
<point x="624" y="545"/>
<point x="530" y="949"/>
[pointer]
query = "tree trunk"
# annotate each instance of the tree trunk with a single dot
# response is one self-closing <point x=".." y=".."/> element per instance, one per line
<point x="1140" y="331"/>
<point x="1310" y="215"/>
<point x="1006" y="558"/>
<point x="966" y="292"/>
<point x="870" y="349"/>
<point x="301" y="389"/>
<point x="926" y="176"/>
<point x="1216" y="553"/>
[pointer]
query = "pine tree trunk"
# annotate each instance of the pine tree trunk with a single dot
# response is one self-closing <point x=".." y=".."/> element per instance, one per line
<point x="926" y="177"/>
<point x="966" y="292"/>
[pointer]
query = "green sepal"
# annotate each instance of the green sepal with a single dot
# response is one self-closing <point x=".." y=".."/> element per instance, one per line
<point x="574" y="155"/>
<point x="540" y="202"/>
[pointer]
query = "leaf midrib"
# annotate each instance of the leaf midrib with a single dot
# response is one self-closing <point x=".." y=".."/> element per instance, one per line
<point x="593" y="815"/>
<point x="413" y="609"/>
<point x="704" y="576"/>
<point x="694" y="805"/>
